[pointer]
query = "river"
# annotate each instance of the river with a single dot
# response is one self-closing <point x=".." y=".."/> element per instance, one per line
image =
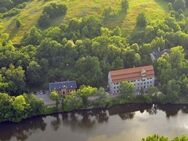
<point x="120" y="123"/>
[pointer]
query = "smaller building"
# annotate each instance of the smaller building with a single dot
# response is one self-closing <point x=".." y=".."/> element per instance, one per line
<point x="64" y="87"/>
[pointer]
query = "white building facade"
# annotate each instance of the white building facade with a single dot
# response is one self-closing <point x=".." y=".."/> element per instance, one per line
<point x="142" y="78"/>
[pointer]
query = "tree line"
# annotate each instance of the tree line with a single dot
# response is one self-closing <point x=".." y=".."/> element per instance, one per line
<point x="85" y="50"/>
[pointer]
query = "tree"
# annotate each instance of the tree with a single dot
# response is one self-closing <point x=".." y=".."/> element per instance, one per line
<point x="124" y="5"/>
<point x="72" y="102"/>
<point x="155" y="138"/>
<point x="51" y="11"/>
<point x="34" y="74"/>
<point x="55" y="9"/>
<point x="88" y="70"/>
<point x="177" y="57"/>
<point x="158" y="43"/>
<point x="127" y="90"/>
<point x="90" y="27"/>
<point x="5" y="107"/>
<point x="33" y="37"/>
<point x="84" y="92"/>
<point x="20" y="108"/>
<point x="180" y="138"/>
<point x="179" y="4"/>
<point x="184" y="86"/>
<point x="55" y="97"/>
<point x="15" y="78"/>
<point x="36" y="106"/>
<point x="18" y="23"/>
<point x="141" y="21"/>
<point x="173" y="91"/>
<point x="100" y="99"/>
<point x="17" y="108"/>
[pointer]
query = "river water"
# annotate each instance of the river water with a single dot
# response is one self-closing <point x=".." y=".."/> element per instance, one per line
<point x="120" y="123"/>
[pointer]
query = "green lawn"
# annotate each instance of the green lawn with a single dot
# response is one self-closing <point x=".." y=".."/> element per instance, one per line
<point x="154" y="10"/>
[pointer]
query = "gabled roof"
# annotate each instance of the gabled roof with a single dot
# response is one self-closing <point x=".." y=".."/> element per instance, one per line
<point x="131" y="73"/>
<point x="63" y="85"/>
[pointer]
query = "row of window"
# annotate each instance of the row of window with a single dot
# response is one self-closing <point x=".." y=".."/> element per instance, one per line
<point x="135" y="81"/>
<point x="142" y="85"/>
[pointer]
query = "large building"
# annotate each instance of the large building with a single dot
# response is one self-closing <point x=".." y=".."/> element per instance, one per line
<point x="64" y="87"/>
<point x="142" y="78"/>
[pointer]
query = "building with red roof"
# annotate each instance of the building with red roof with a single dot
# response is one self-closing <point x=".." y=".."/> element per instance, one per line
<point x="142" y="77"/>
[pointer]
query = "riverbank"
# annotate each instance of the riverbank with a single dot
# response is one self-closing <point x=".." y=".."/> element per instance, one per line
<point x="129" y="107"/>
<point x="121" y="122"/>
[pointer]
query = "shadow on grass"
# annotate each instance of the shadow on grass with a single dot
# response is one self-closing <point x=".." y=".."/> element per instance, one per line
<point x="116" y="19"/>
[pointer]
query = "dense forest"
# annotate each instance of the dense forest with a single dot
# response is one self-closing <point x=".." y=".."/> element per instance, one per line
<point x="85" y="49"/>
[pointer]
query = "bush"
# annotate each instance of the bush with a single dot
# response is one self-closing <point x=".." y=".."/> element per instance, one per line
<point x="11" y="13"/>
<point x="55" y="10"/>
<point x="51" y="11"/>
<point x="141" y="21"/>
<point x="18" y="23"/>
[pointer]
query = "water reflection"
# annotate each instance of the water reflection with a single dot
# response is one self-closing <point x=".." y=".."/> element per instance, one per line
<point x="22" y="130"/>
<point x="85" y="120"/>
<point x="91" y="122"/>
<point x="172" y="110"/>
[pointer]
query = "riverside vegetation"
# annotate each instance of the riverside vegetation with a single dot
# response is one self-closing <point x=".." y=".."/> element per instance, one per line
<point x="63" y="46"/>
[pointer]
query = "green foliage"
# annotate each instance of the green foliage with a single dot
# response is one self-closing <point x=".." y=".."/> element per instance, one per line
<point x="13" y="79"/>
<point x="55" y="97"/>
<point x="18" y="23"/>
<point x="85" y="50"/>
<point x="84" y="92"/>
<point x="124" y="5"/>
<point x="171" y="68"/>
<point x="179" y="4"/>
<point x="34" y="74"/>
<point x="84" y="71"/>
<point x="85" y="97"/>
<point x="72" y="102"/>
<point x="141" y="21"/>
<point x="7" y="4"/>
<point x="51" y="11"/>
<point x="33" y="37"/>
<point x="20" y="107"/>
<point x="155" y="138"/>
<point x="127" y="91"/>
<point x="162" y="138"/>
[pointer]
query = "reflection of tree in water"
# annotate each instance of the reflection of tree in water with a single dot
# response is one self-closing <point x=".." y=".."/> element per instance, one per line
<point x="56" y="123"/>
<point x="185" y="109"/>
<point x="81" y="121"/>
<point x="172" y="110"/>
<point x="125" y="116"/>
<point x="128" y="111"/>
<point x="84" y="120"/>
<point x="102" y="117"/>
<point x="152" y="110"/>
<point x="22" y="130"/>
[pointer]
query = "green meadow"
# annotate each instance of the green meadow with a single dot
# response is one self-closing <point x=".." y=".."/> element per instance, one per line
<point x="153" y="9"/>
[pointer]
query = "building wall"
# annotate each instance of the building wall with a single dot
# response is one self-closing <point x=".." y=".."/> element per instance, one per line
<point x="63" y="92"/>
<point x="140" y="84"/>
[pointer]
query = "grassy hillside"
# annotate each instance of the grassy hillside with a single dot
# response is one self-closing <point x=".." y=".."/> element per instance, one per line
<point x="154" y="9"/>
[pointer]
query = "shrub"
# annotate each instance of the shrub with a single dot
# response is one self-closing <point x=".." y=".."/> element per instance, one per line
<point x="51" y="11"/>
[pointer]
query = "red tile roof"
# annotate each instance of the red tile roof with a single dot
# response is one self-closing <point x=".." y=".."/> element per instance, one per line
<point x="131" y="73"/>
